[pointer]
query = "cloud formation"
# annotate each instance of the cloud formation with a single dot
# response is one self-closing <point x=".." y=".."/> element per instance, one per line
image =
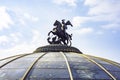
<point x="5" y="19"/>
<point x="84" y="31"/>
<point x="21" y="47"/>
<point x="106" y="11"/>
<point x="68" y="2"/>
<point x="79" y="20"/>
<point x="3" y="39"/>
<point x="14" y="39"/>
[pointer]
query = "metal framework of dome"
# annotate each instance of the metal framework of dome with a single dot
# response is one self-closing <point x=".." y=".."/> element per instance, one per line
<point x="47" y="64"/>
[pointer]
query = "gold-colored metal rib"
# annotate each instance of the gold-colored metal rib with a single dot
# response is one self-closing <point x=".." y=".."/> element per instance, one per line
<point x="100" y="66"/>
<point x="28" y="70"/>
<point x="114" y="63"/>
<point x="15" y="56"/>
<point x="13" y="60"/>
<point x="9" y="57"/>
<point x="109" y="61"/>
<point x="68" y="66"/>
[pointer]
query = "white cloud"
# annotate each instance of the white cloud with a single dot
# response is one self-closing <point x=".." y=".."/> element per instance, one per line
<point x="100" y="32"/>
<point x="69" y="2"/>
<point x="23" y="47"/>
<point x="20" y="16"/>
<point x="30" y="17"/>
<point x="3" y="39"/>
<point x="91" y="3"/>
<point x="22" y="21"/>
<point x="15" y="37"/>
<point x="18" y="49"/>
<point x="79" y="20"/>
<point x="24" y="17"/>
<point x="84" y="31"/>
<point x="5" y="19"/>
<point x="10" y="40"/>
<point x="36" y="36"/>
<point x="104" y="7"/>
<point x="17" y="17"/>
<point x="100" y="11"/>
<point x="111" y="26"/>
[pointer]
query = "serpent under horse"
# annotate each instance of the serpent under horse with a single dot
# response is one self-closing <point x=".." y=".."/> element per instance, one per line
<point x="59" y="32"/>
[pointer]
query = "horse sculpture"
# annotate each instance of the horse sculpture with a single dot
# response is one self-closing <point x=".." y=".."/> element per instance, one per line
<point x="61" y="36"/>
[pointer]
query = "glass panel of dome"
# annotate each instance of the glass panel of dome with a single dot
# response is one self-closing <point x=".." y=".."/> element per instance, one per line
<point x="89" y="74"/>
<point x="84" y="65"/>
<point x="53" y="54"/>
<point x="52" y="57"/>
<point x="72" y="54"/>
<point x="111" y="67"/>
<point x="49" y="73"/>
<point x="50" y="64"/>
<point x="54" y="60"/>
<point x="107" y="65"/>
<point x="37" y="78"/>
<point x="116" y="74"/>
<point x="11" y="74"/>
<point x="19" y="63"/>
<point x="23" y="62"/>
<point x="99" y="60"/>
<point x="78" y="58"/>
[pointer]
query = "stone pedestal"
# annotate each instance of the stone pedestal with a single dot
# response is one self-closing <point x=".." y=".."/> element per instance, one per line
<point x="57" y="48"/>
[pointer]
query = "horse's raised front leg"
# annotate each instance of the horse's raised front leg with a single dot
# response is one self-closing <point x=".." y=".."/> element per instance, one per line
<point x="49" y="33"/>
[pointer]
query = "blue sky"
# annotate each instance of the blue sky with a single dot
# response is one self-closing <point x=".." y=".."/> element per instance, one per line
<point x="24" y="25"/>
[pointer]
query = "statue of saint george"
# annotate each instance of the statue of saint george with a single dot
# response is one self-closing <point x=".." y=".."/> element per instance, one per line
<point x="61" y="36"/>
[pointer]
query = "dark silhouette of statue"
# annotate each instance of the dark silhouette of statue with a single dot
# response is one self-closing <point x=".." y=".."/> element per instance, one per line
<point x="61" y="36"/>
<point x="54" y="40"/>
<point x="64" y="26"/>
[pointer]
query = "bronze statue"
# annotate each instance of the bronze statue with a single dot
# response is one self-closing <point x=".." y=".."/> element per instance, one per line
<point x="61" y="36"/>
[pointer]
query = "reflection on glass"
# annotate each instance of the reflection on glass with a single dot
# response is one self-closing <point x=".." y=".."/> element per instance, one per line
<point x="50" y="64"/>
<point x="90" y="74"/>
<point x="49" y="73"/>
<point x="84" y="69"/>
<point x="17" y="68"/>
<point x="11" y="74"/>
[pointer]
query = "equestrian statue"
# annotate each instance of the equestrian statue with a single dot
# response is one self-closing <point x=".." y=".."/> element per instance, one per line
<point x="59" y="34"/>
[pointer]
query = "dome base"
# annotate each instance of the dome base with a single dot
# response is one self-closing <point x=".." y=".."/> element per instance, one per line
<point x="57" y="48"/>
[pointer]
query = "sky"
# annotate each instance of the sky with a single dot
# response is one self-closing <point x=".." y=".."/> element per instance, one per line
<point x="24" y="25"/>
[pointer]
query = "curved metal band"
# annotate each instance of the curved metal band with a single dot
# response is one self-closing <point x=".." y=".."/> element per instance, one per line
<point x="100" y="66"/>
<point x="13" y="59"/>
<point x="112" y="62"/>
<point x="68" y="66"/>
<point x="29" y="69"/>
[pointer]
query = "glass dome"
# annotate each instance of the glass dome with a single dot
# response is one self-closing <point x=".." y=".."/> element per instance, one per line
<point x="58" y="62"/>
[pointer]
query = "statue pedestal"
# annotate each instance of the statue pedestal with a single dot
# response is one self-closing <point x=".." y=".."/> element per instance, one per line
<point x="57" y="48"/>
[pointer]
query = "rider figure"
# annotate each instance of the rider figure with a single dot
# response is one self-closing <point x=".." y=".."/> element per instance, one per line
<point x="64" y="27"/>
